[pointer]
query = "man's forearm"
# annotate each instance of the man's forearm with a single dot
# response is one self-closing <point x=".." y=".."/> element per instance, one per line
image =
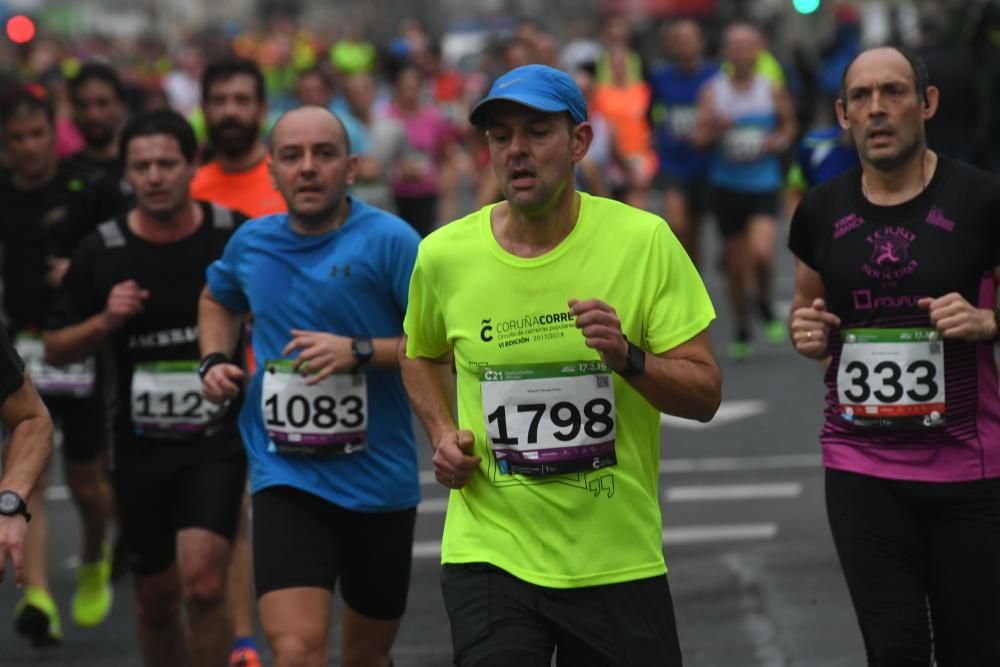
<point x="684" y="382"/>
<point x="386" y="353"/>
<point x="431" y="387"/>
<point x="218" y="327"/>
<point x="28" y="450"/>
<point x="75" y="342"/>
<point x="30" y="443"/>
<point x="680" y="387"/>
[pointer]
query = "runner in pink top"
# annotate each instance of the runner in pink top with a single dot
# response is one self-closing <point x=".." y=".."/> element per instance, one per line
<point x="416" y="183"/>
<point x="897" y="268"/>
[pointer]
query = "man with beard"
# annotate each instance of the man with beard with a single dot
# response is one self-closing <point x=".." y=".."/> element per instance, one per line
<point x="233" y="102"/>
<point x="326" y="423"/>
<point x="896" y="274"/>
<point x="48" y="208"/>
<point x="232" y="94"/>
<point x="97" y="96"/>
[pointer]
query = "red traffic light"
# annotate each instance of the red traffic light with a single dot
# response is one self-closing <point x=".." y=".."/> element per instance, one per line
<point x="20" y="29"/>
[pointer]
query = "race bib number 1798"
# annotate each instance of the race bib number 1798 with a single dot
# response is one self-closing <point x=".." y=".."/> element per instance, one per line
<point x="552" y="418"/>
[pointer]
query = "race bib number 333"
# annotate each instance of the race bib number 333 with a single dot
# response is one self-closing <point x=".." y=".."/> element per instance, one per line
<point x="552" y="418"/>
<point x="892" y="378"/>
<point x="324" y="419"/>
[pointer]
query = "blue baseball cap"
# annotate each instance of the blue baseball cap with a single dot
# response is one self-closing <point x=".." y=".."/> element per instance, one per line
<point x="538" y="87"/>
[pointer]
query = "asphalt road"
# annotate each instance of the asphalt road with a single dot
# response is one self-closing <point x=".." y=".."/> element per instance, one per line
<point x="753" y="572"/>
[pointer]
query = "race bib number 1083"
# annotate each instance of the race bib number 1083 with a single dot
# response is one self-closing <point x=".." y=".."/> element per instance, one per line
<point x="324" y="419"/>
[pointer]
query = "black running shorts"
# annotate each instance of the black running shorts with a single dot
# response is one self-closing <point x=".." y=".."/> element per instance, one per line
<point x="300" y="539"/>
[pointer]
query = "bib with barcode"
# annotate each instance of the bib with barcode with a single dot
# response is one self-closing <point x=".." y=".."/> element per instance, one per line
<point x="890" y="378"/>
<point x="682" y="120"/>
<point x="76" y="379"/>
<point x="324" y="419"/>
<point x="551" y="418"/>
<point x="744" y="144"/>
<point x="167" y="401"/>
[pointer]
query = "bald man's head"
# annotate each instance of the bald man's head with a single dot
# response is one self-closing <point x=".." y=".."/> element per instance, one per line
<point x="312" y="165"/>
<point x="881" y="56"/>
<point x="305" y="115"/>
<point x="884" y="102"/>
<point x="742" y="44"/>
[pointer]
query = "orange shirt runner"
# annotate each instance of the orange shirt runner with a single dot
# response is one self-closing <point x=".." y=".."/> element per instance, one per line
<point x="249" y="191"/>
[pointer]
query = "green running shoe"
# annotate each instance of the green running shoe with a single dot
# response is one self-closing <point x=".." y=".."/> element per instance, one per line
<point x="37" y="617"/>
<point x="776" y="332"/>
<point x="739" y="350"/>
<point x="93" y="596"/>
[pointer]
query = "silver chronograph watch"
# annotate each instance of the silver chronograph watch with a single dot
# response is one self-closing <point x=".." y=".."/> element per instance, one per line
<point x="11" y="503"/>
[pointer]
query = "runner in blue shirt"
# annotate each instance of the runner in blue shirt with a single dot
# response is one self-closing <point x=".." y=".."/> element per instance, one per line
<point x="326" y="423"/>
<point x="683" y="169"/>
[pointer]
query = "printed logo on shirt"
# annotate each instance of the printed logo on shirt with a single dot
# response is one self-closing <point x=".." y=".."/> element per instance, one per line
<point x="525" y="329"/>
<point x="865" y="300"/>
<point x="344" y="271"/>
<point x="164" y="338"/>
<point x="54" y="216"/>
<point x="846" y="224"/>
<point x="890" y="257"/>
<point x="937" y="219"/>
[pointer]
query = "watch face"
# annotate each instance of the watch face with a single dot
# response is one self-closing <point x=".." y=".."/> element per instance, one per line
<point x="364" y="347"/>
<point x="8" y="502"/>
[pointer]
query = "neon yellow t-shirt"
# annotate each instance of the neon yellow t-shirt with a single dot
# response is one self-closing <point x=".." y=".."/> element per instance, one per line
<point x="570" y="530"/>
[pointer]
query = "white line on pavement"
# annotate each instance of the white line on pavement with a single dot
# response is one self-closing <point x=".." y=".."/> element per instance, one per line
<point x="432" y="505"/>
<point x="682" y="494"/>
<point x="715" y="464"/>
<point x="739" y="532"/>
<point x="740" y="463"/>
<point x="709" y="464"/>
<point x="729" y="411"/>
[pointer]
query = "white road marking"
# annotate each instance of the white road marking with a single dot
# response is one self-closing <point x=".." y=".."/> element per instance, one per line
<point x="728" y="412"/>
<point x="740" y="463"/>
<point x="683" y="494"/>
<point x="708" y="464"/>
<point x="738" y="532"/>
<point x="433" y="505"/>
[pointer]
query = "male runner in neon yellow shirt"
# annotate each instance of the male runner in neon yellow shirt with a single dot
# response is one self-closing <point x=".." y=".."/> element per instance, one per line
<point x="573" y="321"/>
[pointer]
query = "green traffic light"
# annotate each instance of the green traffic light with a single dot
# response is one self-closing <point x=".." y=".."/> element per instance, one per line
<point x="805" y="6"/>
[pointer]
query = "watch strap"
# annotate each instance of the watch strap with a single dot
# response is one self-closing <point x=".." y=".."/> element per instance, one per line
<point x="363" y="349"/>
<point x="635" y="360"/>
<point x="212" y="359"/>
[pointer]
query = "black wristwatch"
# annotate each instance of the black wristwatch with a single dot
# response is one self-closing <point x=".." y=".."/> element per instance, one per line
<point x="11" y="504"/>
<point x="635" y="362"/>
<point x="362" y="349"/>
<point x="209" y="360"/>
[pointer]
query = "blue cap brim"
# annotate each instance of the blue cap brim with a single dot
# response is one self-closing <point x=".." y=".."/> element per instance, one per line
<point x="478" y="114"/>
